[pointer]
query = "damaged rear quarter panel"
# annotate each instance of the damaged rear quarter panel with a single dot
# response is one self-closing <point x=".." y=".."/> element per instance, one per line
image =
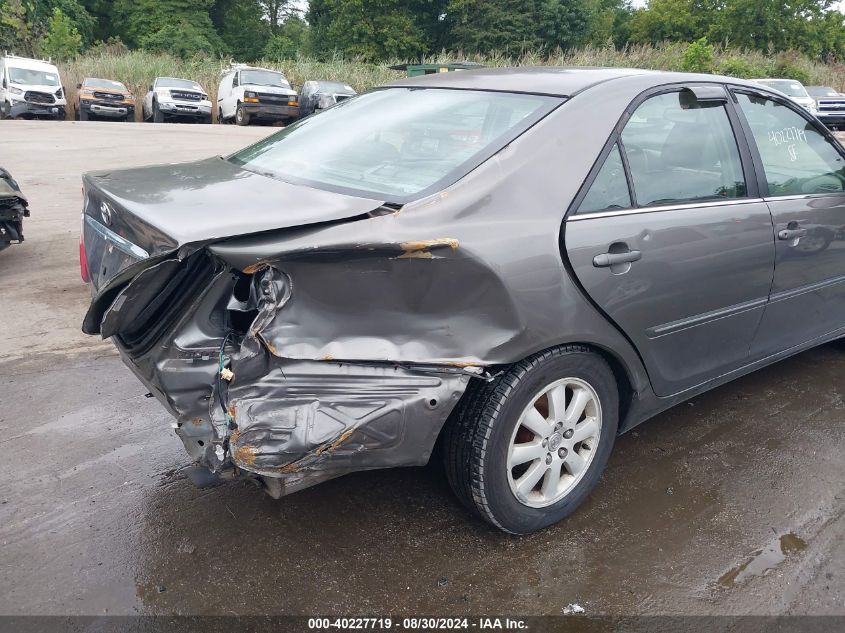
<point x="370" y="327"/>
<point x="472" y="275"/>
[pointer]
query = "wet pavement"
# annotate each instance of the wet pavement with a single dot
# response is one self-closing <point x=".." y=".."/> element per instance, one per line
<point x="732" y="503"/>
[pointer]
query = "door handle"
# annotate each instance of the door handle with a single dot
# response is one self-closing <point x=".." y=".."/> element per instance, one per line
<point x="612" y="259"/>
<point x="791" y="234"/>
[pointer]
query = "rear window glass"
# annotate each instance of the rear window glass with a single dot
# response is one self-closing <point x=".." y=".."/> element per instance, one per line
<point x="682" y="152"/>
<point x="396" y="144"/>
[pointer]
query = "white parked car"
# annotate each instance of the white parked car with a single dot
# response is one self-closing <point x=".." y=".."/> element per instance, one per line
<point x="30" y="89"/>
<point x="174" y="98"/>
<point x="249" y="94"/>
<point x="795" y="90"/>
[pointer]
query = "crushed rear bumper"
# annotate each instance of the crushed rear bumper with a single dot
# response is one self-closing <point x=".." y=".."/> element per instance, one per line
<point x="291" y="423"/>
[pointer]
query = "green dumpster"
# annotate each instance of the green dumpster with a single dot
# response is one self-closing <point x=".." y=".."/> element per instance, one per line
<point x="415" y="70"/>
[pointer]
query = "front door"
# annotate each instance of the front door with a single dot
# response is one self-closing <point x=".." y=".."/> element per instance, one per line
<point x="804" y="171"/>
<point x="669" y="238"/>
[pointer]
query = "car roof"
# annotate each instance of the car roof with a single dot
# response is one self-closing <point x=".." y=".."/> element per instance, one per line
<point x="551" y="80"/>
<point x="765" y="79"/>
<point x="266" y="70"/>
<point x="29" y="64"/>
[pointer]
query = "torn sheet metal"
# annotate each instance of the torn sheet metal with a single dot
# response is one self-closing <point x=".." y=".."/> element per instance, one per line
<point x="303" y="419"/>
<point x="13" y="209"/>
<point x="297" y="421"/>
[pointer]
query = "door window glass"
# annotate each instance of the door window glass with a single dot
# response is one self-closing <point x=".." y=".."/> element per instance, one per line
<point x="610" y="188"/>
<point x="796" y="157"/>
<point x="680" y="150"/>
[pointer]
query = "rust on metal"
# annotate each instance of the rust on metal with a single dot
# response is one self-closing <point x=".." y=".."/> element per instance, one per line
<point x="245" y="454"/>
<point x="254" y="268"/>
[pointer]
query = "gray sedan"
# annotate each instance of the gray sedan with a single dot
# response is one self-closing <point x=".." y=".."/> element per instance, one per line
<point x="505" y="268"/>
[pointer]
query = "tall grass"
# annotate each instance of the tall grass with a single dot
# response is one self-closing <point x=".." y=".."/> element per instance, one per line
<point x="137" y="69"/>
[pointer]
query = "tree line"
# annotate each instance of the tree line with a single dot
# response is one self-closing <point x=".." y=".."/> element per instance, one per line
<point x="379" y="30"/>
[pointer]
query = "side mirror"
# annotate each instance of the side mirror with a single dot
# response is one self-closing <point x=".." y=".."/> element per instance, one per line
<point x="79" y="86"/>
<point x="5" y="85"/>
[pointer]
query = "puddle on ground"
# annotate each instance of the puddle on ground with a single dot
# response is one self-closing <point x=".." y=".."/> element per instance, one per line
<point x="764" y="559"/>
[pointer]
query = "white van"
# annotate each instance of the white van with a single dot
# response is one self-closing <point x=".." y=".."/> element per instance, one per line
<point x="248" y="94"/>
<point x="30" y="89"/>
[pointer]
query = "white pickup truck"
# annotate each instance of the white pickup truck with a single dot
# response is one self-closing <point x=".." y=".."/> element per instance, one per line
<point x="174" y="98"/>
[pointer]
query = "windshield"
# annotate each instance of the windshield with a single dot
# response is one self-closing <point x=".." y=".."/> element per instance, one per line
<point x="789" y="88"/>
<point x="107" y="84"/>
<point x="822" y="91"/>
<point x="32" y="77"/>
<point x="398" y="143"/>
<point x="169" y="82"/>
<point x="264" y="78"/>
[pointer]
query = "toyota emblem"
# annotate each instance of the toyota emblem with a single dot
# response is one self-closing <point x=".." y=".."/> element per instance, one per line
<point x="106" y="213"/>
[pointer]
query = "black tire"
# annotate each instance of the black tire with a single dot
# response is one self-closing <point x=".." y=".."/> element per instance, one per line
<point x="241" y="115"/>
<point x="477" y="438"/>
<point x="207" y="120"/>
<point x="83" y="115"/>
<point x="130" y="118"/>
<point x="220" y="116"/>
<point x="158" y="115"/>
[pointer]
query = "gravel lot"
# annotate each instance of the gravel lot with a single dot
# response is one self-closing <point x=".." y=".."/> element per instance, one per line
<point x="97" y="516"/>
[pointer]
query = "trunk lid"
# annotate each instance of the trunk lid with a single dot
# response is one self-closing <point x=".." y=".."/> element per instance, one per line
<point x="135" y="214"/>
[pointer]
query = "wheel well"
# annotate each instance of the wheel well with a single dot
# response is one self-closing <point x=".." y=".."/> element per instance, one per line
<point x="623" y="381"/>
<point x="620" y="373"/>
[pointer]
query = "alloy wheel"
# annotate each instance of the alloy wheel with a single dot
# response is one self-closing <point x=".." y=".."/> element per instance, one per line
<point x="554" y="442"/>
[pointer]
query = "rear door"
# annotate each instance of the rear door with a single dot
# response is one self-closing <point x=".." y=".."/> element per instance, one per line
<point x="671" y="240"/>
<point x="802" y="172"/>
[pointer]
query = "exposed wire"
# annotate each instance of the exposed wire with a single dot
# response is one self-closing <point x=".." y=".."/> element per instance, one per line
<point x="221" y="363"/>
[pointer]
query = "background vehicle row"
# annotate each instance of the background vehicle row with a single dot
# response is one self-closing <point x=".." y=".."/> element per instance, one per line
<point x="31" y="88"/>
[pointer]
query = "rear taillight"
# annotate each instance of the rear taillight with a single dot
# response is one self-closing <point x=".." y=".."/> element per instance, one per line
<point x="83" y="261"/>
<point x="83" y="258"/>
